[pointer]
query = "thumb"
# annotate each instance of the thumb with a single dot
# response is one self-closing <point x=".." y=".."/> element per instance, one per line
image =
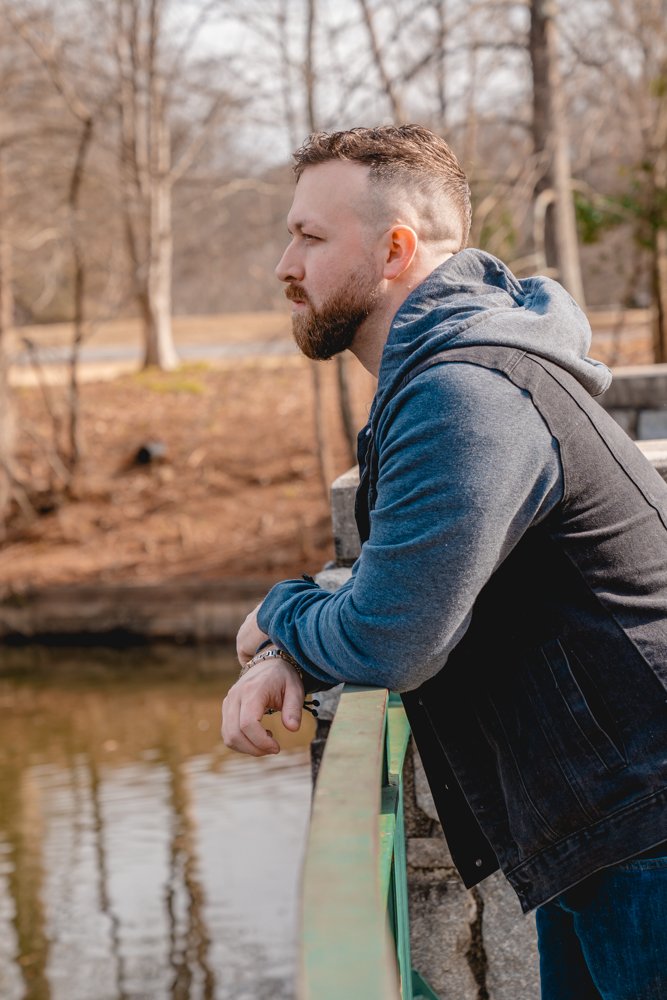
<point x="292" y="703"/>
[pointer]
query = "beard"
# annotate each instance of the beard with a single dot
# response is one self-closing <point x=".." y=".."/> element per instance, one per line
<point x="322" y="333"/>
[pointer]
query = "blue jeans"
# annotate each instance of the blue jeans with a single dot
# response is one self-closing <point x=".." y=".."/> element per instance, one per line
<point x="606" y="939"/>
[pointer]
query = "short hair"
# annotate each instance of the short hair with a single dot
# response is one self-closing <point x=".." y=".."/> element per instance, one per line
<point x="411" y="157"/>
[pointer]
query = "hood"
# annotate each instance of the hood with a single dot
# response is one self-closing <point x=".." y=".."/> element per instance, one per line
<point x="474" y="299"/>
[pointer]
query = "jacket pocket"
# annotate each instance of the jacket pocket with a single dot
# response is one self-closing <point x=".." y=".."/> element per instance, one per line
<point x="584" y="704"/>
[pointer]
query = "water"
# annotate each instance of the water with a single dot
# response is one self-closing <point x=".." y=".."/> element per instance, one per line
<point x="140" y="859"/>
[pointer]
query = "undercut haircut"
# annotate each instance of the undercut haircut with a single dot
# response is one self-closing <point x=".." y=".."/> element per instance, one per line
<point x="403" y="159"/>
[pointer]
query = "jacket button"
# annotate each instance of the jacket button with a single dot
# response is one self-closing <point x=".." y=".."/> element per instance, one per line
<point x="420" y="702"/>
<point x="478" y="863"/>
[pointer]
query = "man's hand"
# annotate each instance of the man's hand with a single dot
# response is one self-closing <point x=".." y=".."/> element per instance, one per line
<point x="272" y="684"/>
<point x="249" y="637"/>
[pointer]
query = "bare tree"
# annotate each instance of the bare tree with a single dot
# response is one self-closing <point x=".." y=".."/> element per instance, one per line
<point x="11" y="134"/>
<point x="659" y="248"/>
<point x="51" y="54"/>
<point x="146" y="82"/>
<point x="552" y="145"/>
<point x="621" y="74"/>
<point x="648" y="22"/>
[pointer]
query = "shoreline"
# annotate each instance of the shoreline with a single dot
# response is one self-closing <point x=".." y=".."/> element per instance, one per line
<point x="124" y="614"/>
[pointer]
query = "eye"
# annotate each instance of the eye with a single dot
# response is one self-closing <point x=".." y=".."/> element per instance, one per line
<point x="309" y="238"/>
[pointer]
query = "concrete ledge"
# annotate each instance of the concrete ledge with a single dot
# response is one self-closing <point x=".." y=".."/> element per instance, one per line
<point x="637" y="386"/>
<point x="192" y="611"/>
<point x="346" y="539"/>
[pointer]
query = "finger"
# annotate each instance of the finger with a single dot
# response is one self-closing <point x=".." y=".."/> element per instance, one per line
<point x="246" y="646"/>
<point x="240" y="744"/>
<point x="241" y="654"/>
<point x="234" y="739"/>
<point x="231" y="733"/>
<point x="292" y="703"/>
<point x="250" y="724"/>
<point x="241" y="639"/>
<point x="249" y="637"/>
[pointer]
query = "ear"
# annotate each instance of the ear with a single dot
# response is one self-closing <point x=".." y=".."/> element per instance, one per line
<point x="401" y="247"/>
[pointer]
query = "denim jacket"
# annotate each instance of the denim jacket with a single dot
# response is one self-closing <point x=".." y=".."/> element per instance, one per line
<point x="544" y="738"/>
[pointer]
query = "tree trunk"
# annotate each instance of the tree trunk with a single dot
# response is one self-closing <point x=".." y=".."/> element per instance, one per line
<point x="441" y="62"/>
<point x="659" y="247"/>
<point x="308" y="65"/>
<point x="324" y="460"/>
<point x="388" y="85"/>
<point x="285" y="76"/>
<point x="78" y="257"/>
<point x="552" y="146"/>
<point x="145" y="163"/>
<point x="659" y="274"/>
<point x="159" y="342"/>
<point x="159" y="347"/>
<point x="6" y="324"/>
<point x="346" y="414"/>
<point x="469" y="144"/>
<point x="6" y="294"/>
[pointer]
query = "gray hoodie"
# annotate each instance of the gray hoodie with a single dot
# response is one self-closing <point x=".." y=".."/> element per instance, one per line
<point x="465" y="466"/>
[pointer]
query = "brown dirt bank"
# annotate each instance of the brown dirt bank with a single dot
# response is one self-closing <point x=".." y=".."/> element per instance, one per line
<point x="236" y="497"/>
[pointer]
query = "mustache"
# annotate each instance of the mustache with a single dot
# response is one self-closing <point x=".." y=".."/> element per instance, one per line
<point x="296" y="294"/>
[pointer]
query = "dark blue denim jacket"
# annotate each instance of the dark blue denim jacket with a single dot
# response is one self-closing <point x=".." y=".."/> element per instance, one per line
<point x="544" y="738"/>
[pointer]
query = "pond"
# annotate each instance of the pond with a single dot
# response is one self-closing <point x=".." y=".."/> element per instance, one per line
<point x="139" y="858"/>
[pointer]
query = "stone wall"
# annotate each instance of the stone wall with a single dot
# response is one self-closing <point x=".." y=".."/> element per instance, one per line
<point x="469" y="945"/>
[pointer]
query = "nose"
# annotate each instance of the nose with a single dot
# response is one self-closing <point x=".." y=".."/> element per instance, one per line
<point x="290" y="267"/>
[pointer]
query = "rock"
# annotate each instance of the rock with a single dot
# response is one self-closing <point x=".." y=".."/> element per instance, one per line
<point x="151" y="451"/>
<point x="510" y="943"/>
<point x="422" y="790"/>
<point x="442" y="912"/>
<point x="333" y="578"/>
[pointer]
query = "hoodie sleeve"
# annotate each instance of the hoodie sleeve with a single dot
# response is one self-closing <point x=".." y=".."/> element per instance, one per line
<point x="466" y="466"/>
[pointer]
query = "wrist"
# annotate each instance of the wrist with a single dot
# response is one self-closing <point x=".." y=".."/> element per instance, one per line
<point x="272" y="653"/>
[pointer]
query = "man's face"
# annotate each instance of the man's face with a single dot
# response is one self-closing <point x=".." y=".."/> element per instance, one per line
<point x="332" y="266"/>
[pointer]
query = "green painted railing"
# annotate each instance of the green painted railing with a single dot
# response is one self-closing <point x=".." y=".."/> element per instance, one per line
<point x="355" y="932"/>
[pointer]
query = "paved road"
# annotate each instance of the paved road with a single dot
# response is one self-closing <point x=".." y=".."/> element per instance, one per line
<point x="187" y="352"/>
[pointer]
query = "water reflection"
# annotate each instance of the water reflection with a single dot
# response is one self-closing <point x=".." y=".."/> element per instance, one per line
<point x="139" y="859"/>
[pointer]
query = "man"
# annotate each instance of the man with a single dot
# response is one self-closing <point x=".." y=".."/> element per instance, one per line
<point x="513" y="576"/>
